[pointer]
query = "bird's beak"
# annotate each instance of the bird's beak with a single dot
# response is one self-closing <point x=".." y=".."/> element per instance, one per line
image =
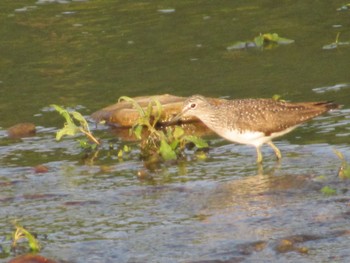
<point x="179" y="116"/>
<point x="176" y="118"/>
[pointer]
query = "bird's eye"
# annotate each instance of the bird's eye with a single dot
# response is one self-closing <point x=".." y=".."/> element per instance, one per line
<point x="193" y="105"/>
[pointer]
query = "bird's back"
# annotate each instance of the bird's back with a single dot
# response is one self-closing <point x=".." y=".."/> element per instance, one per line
<point x="268" y="115"/>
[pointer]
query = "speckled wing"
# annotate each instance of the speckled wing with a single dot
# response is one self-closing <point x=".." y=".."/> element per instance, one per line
<point x="269" y="116"/>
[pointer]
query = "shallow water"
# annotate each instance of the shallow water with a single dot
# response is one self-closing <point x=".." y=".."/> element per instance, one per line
<point x="86" y="54"/>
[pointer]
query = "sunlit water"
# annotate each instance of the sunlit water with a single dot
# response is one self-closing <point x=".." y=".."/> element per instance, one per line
<point x="85" y="54"/>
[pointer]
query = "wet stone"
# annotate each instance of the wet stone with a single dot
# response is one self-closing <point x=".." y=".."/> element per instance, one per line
<point x="31" y="259"/>
<point x="123" y="114"/>
<point x="41" y="169"/>
<point x="20" y="130"/>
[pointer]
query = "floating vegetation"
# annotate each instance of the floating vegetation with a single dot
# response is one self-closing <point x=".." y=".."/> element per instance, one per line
<point x="267" y="40"/>
<point x="336" y="43"/>
<point x="167" y="143"/>
<point x="344" y="7"/>
<point x="75" y="124"/>
<point x="277" y="97"/>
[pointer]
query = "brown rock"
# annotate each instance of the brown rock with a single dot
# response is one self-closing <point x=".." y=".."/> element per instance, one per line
<point x="123" y="114"/>
<point x="31" y="259"/>
<point x="20" y="130"/>
<point x="41" y="169"/>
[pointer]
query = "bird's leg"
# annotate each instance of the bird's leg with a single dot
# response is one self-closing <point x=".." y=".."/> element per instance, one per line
<point x="259" y="155"/>
<point x="277" y="151"/>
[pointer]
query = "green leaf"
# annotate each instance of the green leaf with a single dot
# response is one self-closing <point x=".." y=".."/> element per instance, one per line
<point x="270" y="37"/>
<point x="284" y="41"/>
<point x="159" y="135"/>
<point x="159" y="110"/>
<point x="80" y="118"/>
<point x="259" y="40"/>
<point x="69" y="129"/>
<point x="326" y="190"/>
<point x="198" y="142"/>
<point x="148" y="112"/>
<point x="166" y="151"/>
<point x="346" y="172"/>
<point x="58" y="108"/>
<point x="178" y="132"/>
<point x="276" y="39"/>
<point x="86" y="145"/>
<point x="33" y="243"/>
<point x="169" y="133"/>
<point x="22" y="232"/>
<point x="138" y="131"/>
<point x="126" y="148"/>
<point x="201" y="155"/>
<point x="134" y="103"/>
<point x="276" y="97"/>
<point x="174" y="144"/>
<point x="63" y="112"/>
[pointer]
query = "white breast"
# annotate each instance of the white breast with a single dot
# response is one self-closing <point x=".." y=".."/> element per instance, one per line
<point x="250" y="137"/>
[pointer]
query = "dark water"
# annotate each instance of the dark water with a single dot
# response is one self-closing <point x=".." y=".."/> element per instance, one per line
<point x="86" y="54"/>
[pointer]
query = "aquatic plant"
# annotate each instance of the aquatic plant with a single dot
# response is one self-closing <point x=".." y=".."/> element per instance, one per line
<point x="75" y="124"/>
<point x="327" y="190"/>
<point x="22" y="233"/>
<point x="266" y="40"/>
<point x="344" y="170"/>
<point x="336" y="43"/>
<point x="344" y="7"/>
<point x="168" y="142"/>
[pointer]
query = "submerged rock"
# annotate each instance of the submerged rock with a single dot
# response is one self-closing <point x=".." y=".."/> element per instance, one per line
<point x="20" y="130"/>
<point x="41" y="169"/>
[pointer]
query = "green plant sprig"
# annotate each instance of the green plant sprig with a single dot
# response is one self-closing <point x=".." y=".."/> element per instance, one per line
<point x="260" y="41"/>
<point x="336" y="43"/>
<point x="145" y="117"/>
<point x="169" y="144"/>
<point x="21" y="233"/>
<point x="344" y="170"/>
<point x="71" y="128"/>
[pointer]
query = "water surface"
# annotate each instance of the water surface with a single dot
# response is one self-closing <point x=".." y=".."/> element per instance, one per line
<point x="86" y="54"/>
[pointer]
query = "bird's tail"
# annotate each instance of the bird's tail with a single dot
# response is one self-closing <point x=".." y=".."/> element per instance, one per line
<point x="329" y="105"/>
